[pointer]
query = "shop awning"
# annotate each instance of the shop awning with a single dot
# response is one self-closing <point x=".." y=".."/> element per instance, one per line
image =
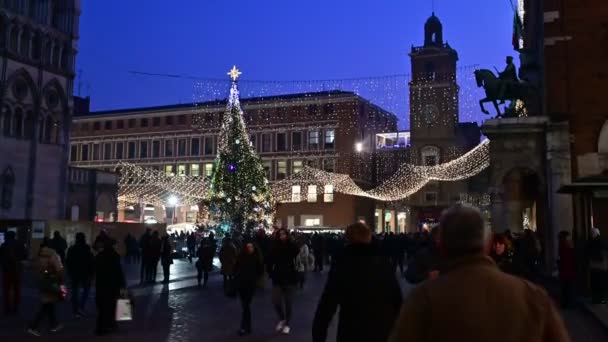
<point x="596" y="185"/>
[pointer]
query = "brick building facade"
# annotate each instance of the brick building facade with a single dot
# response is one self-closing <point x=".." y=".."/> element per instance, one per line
<point x="320" y="130"/>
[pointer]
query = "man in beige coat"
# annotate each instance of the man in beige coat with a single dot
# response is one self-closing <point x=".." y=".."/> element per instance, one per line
<point x="472" y="300"/>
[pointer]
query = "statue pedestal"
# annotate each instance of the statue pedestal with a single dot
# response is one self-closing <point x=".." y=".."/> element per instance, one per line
<point x="529" y="159"/>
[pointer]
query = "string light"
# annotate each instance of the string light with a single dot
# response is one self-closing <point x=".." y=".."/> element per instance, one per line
<point x="154" y="186"/>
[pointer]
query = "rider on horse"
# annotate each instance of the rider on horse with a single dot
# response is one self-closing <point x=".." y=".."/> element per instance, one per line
<point x="508" y="78"/>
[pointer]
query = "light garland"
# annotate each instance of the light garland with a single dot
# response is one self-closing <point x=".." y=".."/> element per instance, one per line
<point x="137" y="184"/>
<point x="408" y="179"/>
<point x="154" y="187"/>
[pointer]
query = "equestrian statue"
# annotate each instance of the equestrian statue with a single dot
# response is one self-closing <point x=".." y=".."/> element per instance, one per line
<point x="505" y="87"/>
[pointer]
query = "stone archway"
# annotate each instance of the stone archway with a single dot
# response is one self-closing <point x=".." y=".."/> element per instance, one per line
<point x="105" y="207"/>
<point x="522" y="198"/>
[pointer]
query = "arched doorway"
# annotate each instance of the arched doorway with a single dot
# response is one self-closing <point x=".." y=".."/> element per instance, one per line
<point x="522" y="199"/>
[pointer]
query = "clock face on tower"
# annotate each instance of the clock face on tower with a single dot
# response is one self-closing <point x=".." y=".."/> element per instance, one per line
<point x="430" y="114"/>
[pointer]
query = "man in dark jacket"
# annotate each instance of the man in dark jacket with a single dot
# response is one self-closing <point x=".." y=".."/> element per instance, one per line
<point x="12" y="253"/>
<point x="362" y="283"/>
<point x="59" y="245"/>
<point x="427" y="261"/>
<point x="282" y="271"/>
<point x="80" y="264"/>
<point x="109" y="281"/>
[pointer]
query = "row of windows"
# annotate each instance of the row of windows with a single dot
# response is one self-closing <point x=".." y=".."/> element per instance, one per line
<point x="35" y="45"/>
<point x="316" y="139"/>
<point x="134" y="123"/>
<point x="312" y="194"/>
<point x="194" y="146"/>
<point x="143" y="149"/>
<point x="281" y="169"/>
<point x="20" y="125"/>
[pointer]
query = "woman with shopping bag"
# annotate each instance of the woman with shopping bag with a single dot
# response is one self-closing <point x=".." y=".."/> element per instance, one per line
<point x="109" y="282"/>
<point x="50" y="271"/>
<point x="248" y="269"/>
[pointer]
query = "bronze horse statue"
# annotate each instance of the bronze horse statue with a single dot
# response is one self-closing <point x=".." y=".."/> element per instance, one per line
<point x="493" y="85"/>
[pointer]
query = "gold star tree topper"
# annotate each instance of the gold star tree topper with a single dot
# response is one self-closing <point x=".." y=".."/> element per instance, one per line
<point x="234" y="73"/>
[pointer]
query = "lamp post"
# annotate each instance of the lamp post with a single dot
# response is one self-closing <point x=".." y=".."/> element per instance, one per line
<point x="172" y="201"/>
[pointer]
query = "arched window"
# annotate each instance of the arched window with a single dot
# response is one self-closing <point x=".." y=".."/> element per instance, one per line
<point x="56" y="55"/>
<point x="7" y="185"/>
<point x="49" y="130"/>
<point x="430" y="155"/>
<point x="18" y="123"/>
<point x="14" y="38"/>
<point x="29" y="124"/>
<point x="6" y="121"/>
<point x="24" y="46"/>
<point x="36" y="46"/>
<point x="46" y="52"/>
<point x="65" y="57"/>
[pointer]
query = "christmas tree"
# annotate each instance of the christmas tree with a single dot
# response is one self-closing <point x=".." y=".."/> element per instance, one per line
<point x="240" y="192"/>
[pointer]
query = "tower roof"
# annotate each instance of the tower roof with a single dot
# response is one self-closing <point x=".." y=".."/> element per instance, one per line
<point x="433" y="31"/>
<point x="433" y="20"/>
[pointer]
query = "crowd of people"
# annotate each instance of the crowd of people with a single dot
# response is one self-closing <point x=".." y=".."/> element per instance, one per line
<point x="497" y="275"/>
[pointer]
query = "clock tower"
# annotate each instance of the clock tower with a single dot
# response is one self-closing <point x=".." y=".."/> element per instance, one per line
<point x="433" y="96"/>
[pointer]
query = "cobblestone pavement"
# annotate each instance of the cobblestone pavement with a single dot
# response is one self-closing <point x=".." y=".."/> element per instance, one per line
<point x="183" y="312"/>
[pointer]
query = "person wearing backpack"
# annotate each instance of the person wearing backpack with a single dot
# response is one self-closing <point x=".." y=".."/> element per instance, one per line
<point x="50" y="271"/>
<point x="12" y="253"/>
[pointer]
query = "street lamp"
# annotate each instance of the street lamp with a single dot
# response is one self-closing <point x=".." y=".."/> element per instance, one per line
<point x="172" y="201"/>
<point x="359" y="147"/>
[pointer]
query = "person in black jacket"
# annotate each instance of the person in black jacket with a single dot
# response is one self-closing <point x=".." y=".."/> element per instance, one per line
<point x="80" y="264"/>
<point x="427" y="261"/>
<point x="166" y="258"/>
<point x="59" y="245"/>
<point x="12" y="254"/>
<point x="282" y="271"/>
<point x="204" y="264"/>
<point x="247" y="271"/>
<point x="363" y="284"/>
<point x="109" y="281"/>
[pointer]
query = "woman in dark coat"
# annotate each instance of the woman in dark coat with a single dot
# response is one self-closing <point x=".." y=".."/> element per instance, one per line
<point x="204" y="265"/>
<point x="247" y="271"/>
<point x="567" y="269"/>
<point x="109" y="281"/>
<point x="503" y="255"/>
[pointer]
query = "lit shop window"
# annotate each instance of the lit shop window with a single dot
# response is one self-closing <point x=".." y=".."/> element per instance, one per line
<point x="208" y="170"/>
<point x="296" y="193"/>
<point x="297" y="166"/>
<point x="312" y="193"/>
<point x="330" y="137"/>
<point x="281" y="169"/>
<point x="195" y="170"/>
<point x="169" y="170"/>
<point x="181" y="170"/>
<point x="312" y="222"/>
<point x="328" y="194"/>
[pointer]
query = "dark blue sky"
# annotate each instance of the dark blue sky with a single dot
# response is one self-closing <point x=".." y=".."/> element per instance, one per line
<point x="271" y="40"/>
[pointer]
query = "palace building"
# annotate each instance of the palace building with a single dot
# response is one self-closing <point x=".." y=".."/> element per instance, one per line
<point x="333" y="130"/>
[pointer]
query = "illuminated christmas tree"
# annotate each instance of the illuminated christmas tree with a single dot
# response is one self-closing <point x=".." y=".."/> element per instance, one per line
<point x="240" y="192"/>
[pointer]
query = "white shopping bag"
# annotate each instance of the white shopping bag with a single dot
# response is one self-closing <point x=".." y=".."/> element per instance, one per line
<point x="124" y="310"/>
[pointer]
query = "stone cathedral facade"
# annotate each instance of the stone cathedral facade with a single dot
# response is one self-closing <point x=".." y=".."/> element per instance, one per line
<point x="38" y="46"/>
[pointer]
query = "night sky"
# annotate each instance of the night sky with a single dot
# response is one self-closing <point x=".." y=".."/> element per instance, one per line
<point x="276" y="40"/>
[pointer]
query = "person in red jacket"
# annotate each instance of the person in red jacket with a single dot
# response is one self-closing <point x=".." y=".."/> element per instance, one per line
<point x="567" y="269"/>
